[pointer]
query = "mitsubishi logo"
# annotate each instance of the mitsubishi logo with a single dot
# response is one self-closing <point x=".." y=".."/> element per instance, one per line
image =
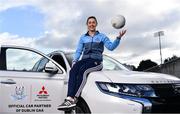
<point x="43" y="91"/>
<point x="43" y="95"/>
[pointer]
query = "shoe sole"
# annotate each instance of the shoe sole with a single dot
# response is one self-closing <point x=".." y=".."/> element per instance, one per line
<point x="66" y="108"/>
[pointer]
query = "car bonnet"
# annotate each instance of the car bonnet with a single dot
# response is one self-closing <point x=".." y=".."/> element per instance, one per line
<point x="122" y="76"/>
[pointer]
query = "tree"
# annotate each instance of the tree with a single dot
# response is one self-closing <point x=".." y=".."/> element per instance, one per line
<point x="131" y="67"/>
<point x="170" y="58"/>
<point x="145" y="64"/>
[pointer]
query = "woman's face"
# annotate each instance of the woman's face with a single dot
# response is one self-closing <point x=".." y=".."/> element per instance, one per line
<point x="91" y="24"/>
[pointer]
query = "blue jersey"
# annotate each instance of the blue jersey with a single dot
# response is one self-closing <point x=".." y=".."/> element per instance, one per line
<point x="93" y="47"/>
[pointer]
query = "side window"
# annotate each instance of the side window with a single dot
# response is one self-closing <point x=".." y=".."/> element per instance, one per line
<point x="69" y="57"/>
<point x="21" y="60"/>
<point x="42" y="65"/>
<point x="36" y="66"/>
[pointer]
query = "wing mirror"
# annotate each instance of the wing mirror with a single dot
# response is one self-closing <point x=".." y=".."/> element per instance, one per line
<point x="51" y="68"/>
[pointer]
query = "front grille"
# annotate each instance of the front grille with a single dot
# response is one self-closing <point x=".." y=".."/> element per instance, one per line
<point x="164" y="90"/>
<point x="165" y="105"/>
<point x="168" y="99"/>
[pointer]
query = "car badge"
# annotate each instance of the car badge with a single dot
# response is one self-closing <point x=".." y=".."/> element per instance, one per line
<point x="19" y="93"/>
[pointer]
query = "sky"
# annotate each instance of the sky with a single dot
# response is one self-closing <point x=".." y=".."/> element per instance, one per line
<point x="49" y="25"/>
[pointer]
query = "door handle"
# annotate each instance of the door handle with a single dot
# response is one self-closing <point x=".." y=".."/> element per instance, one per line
<point x="8" y="81"/>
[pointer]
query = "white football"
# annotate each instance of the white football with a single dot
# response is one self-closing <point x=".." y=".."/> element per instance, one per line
<point x="118" y="21"/>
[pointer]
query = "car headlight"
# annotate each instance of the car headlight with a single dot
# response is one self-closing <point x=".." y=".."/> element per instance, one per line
<point x="138" y="90"/>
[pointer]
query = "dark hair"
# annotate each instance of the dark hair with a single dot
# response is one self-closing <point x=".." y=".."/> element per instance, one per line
<point x="91" y="17"/>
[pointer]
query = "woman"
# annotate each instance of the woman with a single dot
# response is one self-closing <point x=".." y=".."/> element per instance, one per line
<point x="91" y="46"/>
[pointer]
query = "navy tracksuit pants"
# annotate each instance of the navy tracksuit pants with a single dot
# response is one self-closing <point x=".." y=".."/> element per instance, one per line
<point x="78" y="75"/>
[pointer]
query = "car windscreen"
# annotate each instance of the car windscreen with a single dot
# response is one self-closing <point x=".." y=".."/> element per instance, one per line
<point x="108" y="62"/>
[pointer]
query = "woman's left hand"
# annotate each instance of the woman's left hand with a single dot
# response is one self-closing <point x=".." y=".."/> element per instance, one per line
<point x="121" y="33"/>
